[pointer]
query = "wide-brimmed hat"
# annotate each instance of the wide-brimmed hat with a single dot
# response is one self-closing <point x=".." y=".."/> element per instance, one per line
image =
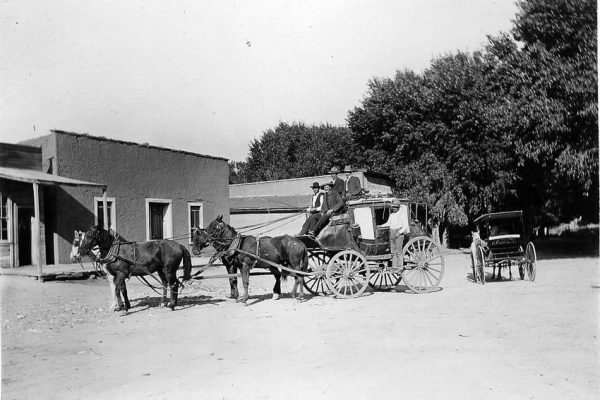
<point x="330" y="184"/>
<point x="347" y="168"/>
<point x="334" y="170"/>
<point x="396" y="203"/>
<point x="315" y="185"/>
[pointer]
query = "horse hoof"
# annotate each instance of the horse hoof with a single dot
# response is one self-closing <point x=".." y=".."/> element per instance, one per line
<point x="275" y="296"/>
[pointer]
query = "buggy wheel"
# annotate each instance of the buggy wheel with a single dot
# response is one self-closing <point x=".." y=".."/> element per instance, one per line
<point x="423" y="264"/>
<point x="316" y="283"/>
<point x="530" y="261"/>
<point x="348" y="274"/>
<point x="383" y="276"/>
<point x="479" y="269"/>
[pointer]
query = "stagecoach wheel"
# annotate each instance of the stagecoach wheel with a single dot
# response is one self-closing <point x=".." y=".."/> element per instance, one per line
<point x="480" y="271"/>
<point x="316" y="283"/>
<point x="423" y="263"/>
<point x="348" y="274"/>
<point x="530" y="261"/>
<point x="384" y="276"/>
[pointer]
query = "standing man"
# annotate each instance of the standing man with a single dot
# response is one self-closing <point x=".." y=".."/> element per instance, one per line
<point x="353" y="187"/>
<point x="399" y="226"/>
<point x="314" y="210"/>
<point x="332" y="204"/>
<point x="338" y="184"/>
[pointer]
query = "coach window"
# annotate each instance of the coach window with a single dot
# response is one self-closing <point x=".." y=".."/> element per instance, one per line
<point x="99" y="212"/>
<point x="195" y="219"/>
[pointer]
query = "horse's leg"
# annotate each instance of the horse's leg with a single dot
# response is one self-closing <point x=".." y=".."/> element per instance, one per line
<point x="245" y="280"/>
<point x="174" y="287"/>
<point x="510" y="270"/>
<point x="163" y="279"/>
<point x="232" y="269"/>
<point x="111" y="286"/>
<point x="299" y="282"/>
<point x="117" y="293"/>
<point x="277" y="286"/>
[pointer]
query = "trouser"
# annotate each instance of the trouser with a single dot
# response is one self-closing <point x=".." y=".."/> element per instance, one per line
<point x="324" y="220"/>
<point x="396" y="243"/>
<point x="310" y="223"/>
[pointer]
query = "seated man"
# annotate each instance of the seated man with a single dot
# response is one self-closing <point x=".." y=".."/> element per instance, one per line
<point x="353" y="186"/>
<point x="314" y="210"/>
<point x="399" y="226"/>
<point x="332" y="204"/>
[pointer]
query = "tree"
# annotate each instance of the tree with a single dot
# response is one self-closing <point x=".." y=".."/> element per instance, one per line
<point x="296" y="150"/>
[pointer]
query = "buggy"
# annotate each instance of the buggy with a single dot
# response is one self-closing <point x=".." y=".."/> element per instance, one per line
<point x="500" y="242"/>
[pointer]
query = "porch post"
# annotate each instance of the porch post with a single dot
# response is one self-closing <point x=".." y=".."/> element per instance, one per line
<point x="104" y="210"/>
<point x="36" y="228"/>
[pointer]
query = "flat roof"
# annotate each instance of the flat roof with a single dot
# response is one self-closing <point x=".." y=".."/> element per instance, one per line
<point x="500" y="215"/>
<point x="42" y="178"/>
<point x="105" y="139"/>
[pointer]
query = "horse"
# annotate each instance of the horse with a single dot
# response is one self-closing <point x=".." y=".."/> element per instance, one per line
<point x="125" y="259"/>
<point x="475" y="257"/>
<point x="284" y="250"/>
<point x="78" y="237"/>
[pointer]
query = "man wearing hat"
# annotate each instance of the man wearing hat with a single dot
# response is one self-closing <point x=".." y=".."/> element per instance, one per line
<point x="332" y="204"/>
<point x="353" y="187"/>
<point x="398" y="223"/>
<point x="314" y="210"/>
<point x="338" y="184"/>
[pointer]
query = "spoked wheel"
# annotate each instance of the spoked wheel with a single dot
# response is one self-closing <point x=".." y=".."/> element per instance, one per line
<point x="530" y="261"/>
<point x="384" y="276"/>
<point x="423" y="263"/>
<point x="348" y="274"/>
<point x="479" y="268"/>
<point x="316" y="283"/>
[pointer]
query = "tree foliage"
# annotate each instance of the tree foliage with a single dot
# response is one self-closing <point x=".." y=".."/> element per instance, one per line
<point x="295" y="150"/>
<point x="513" y="126"/>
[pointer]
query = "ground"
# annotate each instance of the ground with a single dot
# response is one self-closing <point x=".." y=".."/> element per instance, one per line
<point x="505" y="340"/>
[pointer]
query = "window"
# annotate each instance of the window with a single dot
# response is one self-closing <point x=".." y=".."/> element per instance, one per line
<point x="159" y="219"/>
<point x="196" y="219"/>
<point x="99" y="212"/>
<point x="3" y="217"/>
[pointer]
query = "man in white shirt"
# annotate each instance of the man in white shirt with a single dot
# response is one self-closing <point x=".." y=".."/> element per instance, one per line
<point x="399" y="226"/>
<point x="316" y="205"/>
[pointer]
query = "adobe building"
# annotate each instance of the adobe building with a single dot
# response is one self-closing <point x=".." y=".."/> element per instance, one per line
<point x="278" y="207"/>
<point x="150" y="193"/>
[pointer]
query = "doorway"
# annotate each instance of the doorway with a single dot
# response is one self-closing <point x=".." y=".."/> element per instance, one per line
<point x="159" y="224"/>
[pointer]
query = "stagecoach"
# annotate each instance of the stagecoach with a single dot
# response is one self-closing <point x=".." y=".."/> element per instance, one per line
<point x="353" y="251"/>
<point x="502" y="243"/>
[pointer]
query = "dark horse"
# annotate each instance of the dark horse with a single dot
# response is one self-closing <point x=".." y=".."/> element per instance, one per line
<point x="124" y="259"/>
<point x="282" y="250"/>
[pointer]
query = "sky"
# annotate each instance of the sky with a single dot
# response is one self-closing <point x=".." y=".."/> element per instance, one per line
<point x="211" y="76"/>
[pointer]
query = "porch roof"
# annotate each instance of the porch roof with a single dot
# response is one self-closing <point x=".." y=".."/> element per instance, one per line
<point x="39" y="177"/>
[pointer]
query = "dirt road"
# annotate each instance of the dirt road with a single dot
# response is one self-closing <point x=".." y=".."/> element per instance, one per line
<point x="505" y="340"/>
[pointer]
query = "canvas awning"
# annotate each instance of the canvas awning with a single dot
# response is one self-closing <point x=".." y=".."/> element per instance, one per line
<point x="41" y="178"/>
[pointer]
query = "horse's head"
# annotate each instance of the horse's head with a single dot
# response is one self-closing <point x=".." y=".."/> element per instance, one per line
<point x="77" y="238"/>
<point x="218" y="234"/>
<point x="200" y="240"/>
<point x="95" y="236"/>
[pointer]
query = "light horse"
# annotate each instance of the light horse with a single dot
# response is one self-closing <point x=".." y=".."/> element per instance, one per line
<point x="475" y="255"/>
<point x="75" y="256"/>
<point x="125" y="259"/>
<point x="283" y="250"/>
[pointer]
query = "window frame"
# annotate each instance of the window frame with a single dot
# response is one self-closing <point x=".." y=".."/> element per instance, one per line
<point x="201" y="216"/>
<point x="113" y="211"/>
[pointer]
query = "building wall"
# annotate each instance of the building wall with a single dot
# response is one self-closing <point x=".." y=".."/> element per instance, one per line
<point x="19" y="156"/>
<point x="132" y="173"/>
<point x="291" y="225"/>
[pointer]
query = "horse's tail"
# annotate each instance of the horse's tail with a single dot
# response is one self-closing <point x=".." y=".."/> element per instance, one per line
<point x="187" y="264"/>
<point x="304" y="261"/>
